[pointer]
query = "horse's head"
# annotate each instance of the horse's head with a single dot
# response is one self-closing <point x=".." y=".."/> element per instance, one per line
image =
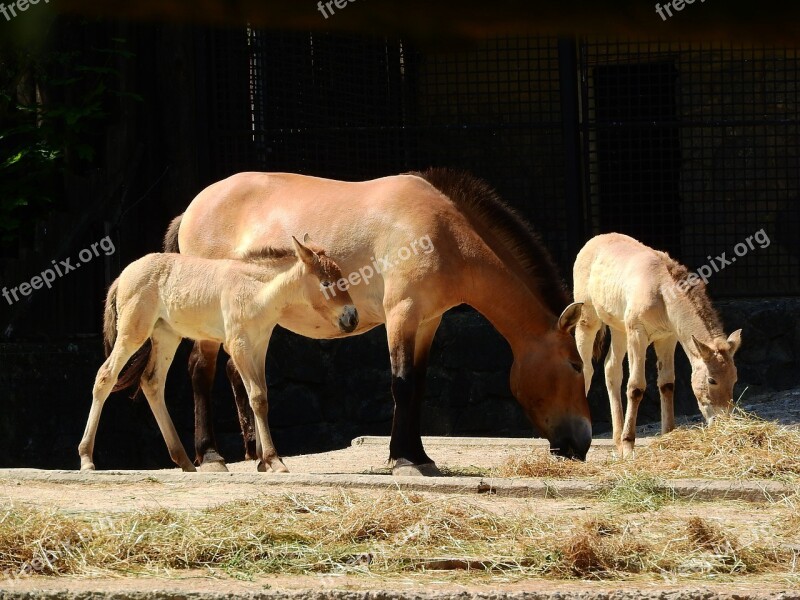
<point x="547" y="380"/>
<point x="714" y="374"/>
<point x="324" y="288"/>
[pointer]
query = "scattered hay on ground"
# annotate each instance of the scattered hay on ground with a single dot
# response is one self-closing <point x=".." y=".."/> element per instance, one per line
<point x="394" y="533"/>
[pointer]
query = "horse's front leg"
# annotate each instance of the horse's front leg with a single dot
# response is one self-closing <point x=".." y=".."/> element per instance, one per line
<point x="202" y="368"/>
<point x="250" y="362"/>
<point x="665" y="352"/>
<point x="637" y="353"/>
<point x="409" y="364"/>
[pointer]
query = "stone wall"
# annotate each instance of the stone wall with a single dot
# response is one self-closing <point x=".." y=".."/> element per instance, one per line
<point x="324" y="393"/>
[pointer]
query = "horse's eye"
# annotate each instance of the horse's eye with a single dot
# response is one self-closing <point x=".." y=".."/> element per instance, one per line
<point x="712" y="381"/>
<point x="577" y="366"/>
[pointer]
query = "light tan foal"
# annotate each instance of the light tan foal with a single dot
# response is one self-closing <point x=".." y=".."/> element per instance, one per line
<point x="166" y="297"/>
<point x="645" y="297"/>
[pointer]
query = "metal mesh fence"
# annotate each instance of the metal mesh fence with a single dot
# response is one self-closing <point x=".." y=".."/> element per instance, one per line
<point x="691" y="148"/>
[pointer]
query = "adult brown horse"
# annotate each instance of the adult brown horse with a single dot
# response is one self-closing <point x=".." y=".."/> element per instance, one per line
<point x="482" y="254"/>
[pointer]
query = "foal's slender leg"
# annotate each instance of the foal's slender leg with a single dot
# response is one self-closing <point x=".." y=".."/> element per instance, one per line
<point x="665" y="352"/>
<point x="637" y="353"/>
<point x="613" y="371"/>
<point x="585" y="334"/>
<point x="103" y="384"/>
<point x="164" y="345"/>
<point x="250" y="363"/>
<point x="405" y="446"/>
<point x="202" y="367"/>
<point x="246" y="419"/>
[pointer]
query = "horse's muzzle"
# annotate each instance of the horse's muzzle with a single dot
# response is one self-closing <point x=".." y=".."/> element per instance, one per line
<point x="572" y="438"/>
<point x="348" y="321"/>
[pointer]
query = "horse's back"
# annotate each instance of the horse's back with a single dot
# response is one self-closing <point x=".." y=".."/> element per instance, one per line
<point x="619" y="275"/>
<point x="251" y="209"/>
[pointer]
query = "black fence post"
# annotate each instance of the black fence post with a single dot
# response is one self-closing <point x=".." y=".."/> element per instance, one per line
<point x="570" y="127"/>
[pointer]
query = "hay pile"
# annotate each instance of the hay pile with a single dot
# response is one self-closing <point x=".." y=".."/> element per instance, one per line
<point x="739" y="446"/>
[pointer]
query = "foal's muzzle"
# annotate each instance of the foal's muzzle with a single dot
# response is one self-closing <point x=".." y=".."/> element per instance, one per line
<point x="572" y="438"/>
<point x="348" y="321"/>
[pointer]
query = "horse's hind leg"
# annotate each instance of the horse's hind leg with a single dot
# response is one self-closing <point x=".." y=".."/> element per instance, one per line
<point x="103" y="384"/>
<point x="665" y="352"/>
<point x="165" y="343"/>
<point x="202" y="368"/>
<point x="246" y="418"/>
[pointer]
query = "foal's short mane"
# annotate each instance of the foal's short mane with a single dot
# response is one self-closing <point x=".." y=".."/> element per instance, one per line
<point x="506" y="228"/>
<point x="696" y="294"/>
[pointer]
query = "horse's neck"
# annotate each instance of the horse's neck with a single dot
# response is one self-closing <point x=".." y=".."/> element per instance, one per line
<point x="280" y="279"/>
<point x="686" y="322"/>
<point x="506" y="302"/>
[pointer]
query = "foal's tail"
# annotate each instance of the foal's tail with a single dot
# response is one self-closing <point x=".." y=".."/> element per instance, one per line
<point x="171" y="237"/>
<point x="599" y="342"/>
<point x="138" y="362"/>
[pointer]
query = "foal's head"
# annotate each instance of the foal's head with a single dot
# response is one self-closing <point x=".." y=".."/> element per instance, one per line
<point x="322" y="286"/>
<point x="714" y="375"/>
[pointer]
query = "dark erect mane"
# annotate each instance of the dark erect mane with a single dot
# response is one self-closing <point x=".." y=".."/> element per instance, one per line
<point x="507" y="230"/>
<point x="696" y="294"/>
<point x="267" y="253"/>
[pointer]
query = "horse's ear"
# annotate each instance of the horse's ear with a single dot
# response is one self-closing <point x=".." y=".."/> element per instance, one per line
<point x="303" y="253"/>
<point x="735" y="340"/>
<point x="706" y="352"/>
<point x="570" y="317"/>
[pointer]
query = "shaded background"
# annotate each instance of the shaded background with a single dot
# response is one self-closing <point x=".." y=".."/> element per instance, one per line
<point x="585" y="118"/>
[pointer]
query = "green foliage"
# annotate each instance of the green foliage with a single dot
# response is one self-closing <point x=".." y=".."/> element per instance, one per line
<point x="52" y="104"/>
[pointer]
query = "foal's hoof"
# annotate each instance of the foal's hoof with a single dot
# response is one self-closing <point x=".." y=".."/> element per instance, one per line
<point x="213" y="466"/>
<point x="275" y="466"/>
<point x="87" y="467"/>
<point x="403" y="468"/>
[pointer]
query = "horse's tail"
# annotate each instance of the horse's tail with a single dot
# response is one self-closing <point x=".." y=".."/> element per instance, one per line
<point x="599" y="342"/>
<point x="110" y="318"/>
<point x="141" y="357"/>
<point x="171" y="237"/>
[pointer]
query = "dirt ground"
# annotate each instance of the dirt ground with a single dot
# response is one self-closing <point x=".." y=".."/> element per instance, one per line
<point x="368" y="455"/>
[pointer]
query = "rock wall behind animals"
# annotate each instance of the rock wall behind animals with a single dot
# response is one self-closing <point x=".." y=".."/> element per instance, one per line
<point x="324" y="393"/>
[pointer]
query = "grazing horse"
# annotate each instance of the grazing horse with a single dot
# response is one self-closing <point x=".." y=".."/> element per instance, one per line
<point x="645" y="297"/>
<point x="411" y="246"/>
<point x="165" y="297"/>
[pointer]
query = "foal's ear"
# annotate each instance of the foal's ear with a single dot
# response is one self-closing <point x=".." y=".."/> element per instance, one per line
<point x="303" y="253"/>
<point x="706" y="351"/>
<point x="735" y="340"/>
<point x="570" y="317"/>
